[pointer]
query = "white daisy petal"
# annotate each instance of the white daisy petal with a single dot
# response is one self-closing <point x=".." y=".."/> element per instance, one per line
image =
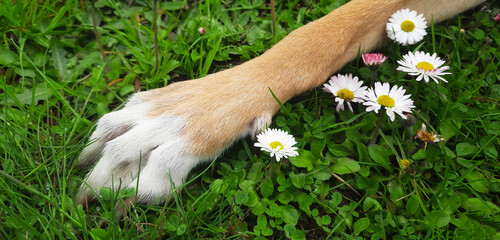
<point x="406" y="27"/>
<point x="277" y="142"/>
<point x="390" y="113"/>
<point x="345" y="88"/>
<point x="424" y="66"/>
<point x="392" y="99"/>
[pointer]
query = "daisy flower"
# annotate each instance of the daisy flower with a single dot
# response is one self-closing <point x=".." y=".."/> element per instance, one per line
<point x="392" y="99"/>
<point x="345" y="88"/>
<point x="373" y="59"/>
<point x="406" y="27"/>
<point x="277" y="142"/>
<point x="424" y="66"/>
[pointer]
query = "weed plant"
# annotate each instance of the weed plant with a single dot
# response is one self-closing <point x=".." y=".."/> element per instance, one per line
<point x="65" y="64"/>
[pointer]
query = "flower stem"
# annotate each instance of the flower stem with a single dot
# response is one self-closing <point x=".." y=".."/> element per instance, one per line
<point x="419" y="88"/>
<point x="440" y="94"/>
<point x="374" y="75"/>
<point x="269" y="176"/>
<point x="410" y="133"/>
<point x="379" y="122"/>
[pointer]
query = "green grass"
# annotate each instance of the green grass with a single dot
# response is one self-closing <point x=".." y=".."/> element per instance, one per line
<point x="57" y="79"/>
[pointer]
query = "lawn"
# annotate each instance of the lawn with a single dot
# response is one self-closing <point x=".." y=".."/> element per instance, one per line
<point x="65" y="64"/>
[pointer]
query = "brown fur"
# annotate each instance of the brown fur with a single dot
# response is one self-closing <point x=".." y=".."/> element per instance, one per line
<point x="220" y="107"/>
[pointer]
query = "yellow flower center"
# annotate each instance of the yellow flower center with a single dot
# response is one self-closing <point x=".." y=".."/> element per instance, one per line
<point x="276" y="144"/>
<point x="386" y="101"/>
<point x="404" y="163"/>
<point x="425" y="65"/>
<point x="345" y="94"/>
<point x="407" y="26"/>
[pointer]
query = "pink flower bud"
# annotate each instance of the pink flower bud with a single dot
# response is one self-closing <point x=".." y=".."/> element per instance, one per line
<point x="497" y="18"/>
<point x="373" y="59"/>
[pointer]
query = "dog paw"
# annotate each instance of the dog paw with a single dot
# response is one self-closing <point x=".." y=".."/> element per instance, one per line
<point x="160" y="135"/>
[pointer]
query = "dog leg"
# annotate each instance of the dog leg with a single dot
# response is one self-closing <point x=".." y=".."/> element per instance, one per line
<point x="160" y="135"/>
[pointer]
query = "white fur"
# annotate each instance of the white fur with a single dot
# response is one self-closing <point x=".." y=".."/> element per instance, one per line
<point x="154" y="143"/>
<point x="258" y="125"/>
<point x="112" y="125"/>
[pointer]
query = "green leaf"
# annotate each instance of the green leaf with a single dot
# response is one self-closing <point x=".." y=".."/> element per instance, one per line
<point x="285" y="197"/>
<point x="174" y="5"/>
<point x="336" y="198"/>
<point x="126" y="193"/>
<point x="8" y="166"/>
<point x="361" y="225"/>
<point x="449" y="152"/>
<point x="267" y="231"/>
<point x="395" y="190"/>
<point x="305" y="159"/>
<point x="280" y="121"/>
<point x="298" y="180"/>
<point x="478" y="34"/>
<point x="304" y="201"/>
<point x="290" y="214"/>
<point x="363" y="155"/>
<point x="247" y="185"/>
<point x="255" y="173"/>
<point x="339" y="150"/>
<point x="412" y="205"/>
<point x="106" y="193"/>
<point x="262" y="226"/>
<point x="289" y="230"/>
<point x="465" y="162"/>
<point x="380" y="154"/>
<point x="437" y="219"/>
<point x="274" y="210"/>
<point x="59" y="61"/>
<point x="26" y="96"/>
<point x="100" y="3"/>
<point x="125" y="90"/>
<point x="259" y="209"/>
<point x="267" y="188"/>
<point x="489" y="147"/>
<point x="465" y="149"/>
<point x="99" y="233"/>
<point x="479" y="205"/>
<point x="256" y="33"/>
<point x="241" y="197"/>
<point x="317" y="145"/>
<point x="478" y="181"/>
<point x="323" y="174"/>
<point x="447" y="129"/>
<point x="370" y="204"/>
<point x="253" y="199"/>
<point x="181" y="229"/>
<point x="261" y="221"/>
<point x="326" y="219"/>
<point x="366" y="182"/>
<point x="7" y="56"/>
<point x="345" y="166"/>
